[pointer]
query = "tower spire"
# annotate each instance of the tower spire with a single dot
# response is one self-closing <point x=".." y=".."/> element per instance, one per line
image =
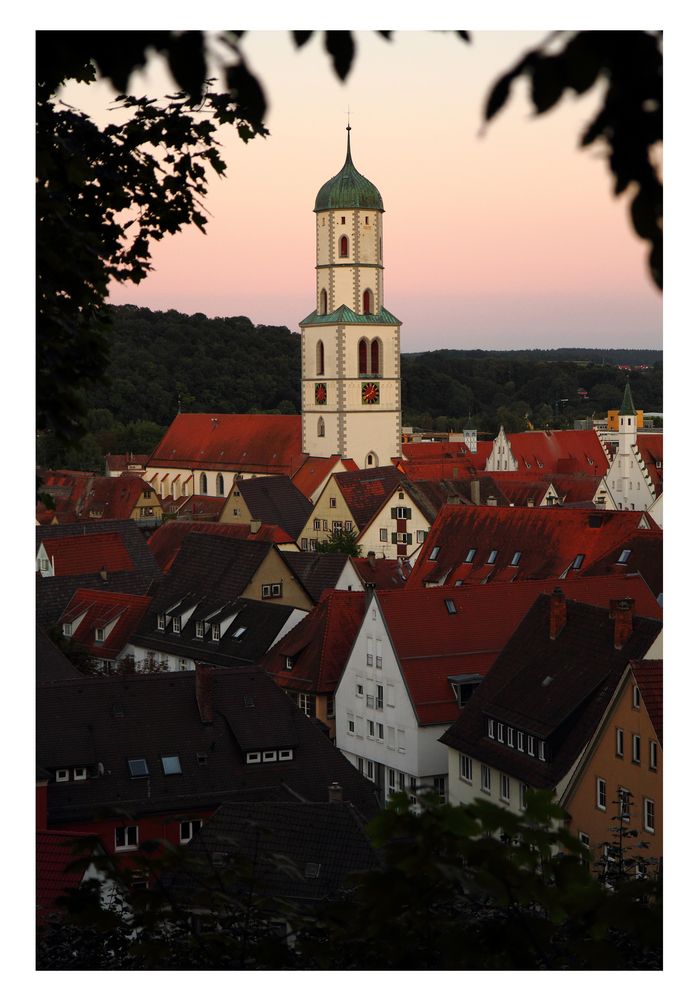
<point x="627" y="407"/>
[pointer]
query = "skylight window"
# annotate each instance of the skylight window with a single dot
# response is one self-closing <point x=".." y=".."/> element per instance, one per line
<point x="138" y="767"/>
<point x="624" y="556"/>
<point x="312" y="870"/>
<point x="171" y="765"/>
<point x="248" y="700"/>
<point x="450" y="607"/>
<point x="470" y="556"/>
<point x="238" y="633"/>
<point x="578" y="560"/>
<point x="515" y="559"/>
<point x="435" y="552"/>
<point x="492" y="556"/>
<point x="161" y="623"/>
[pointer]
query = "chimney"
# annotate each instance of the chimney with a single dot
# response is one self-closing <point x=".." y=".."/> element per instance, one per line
<point x="334" y="792"/>
<point x="475" y="491"/>
<point x="558" y="612"/>
<point x="255" y="526"/>
<point x="103" y="574"/>
<point x="204" y="692"/>
<point x="371" y="556"/>
<point x="529" y="502"/>
<point x="491" y="501"/>
<point x="622" y="615"/>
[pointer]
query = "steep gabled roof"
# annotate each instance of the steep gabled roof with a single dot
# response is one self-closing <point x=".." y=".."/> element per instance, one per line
<point x="51" y="663"/>
<point x="553" y="689"/>
<point x="366" y="491"/>
<point x="102" y="609"/>
<point x="564" y="452"/>
<point x="316" y="571"/>
<point x="644" y="556"/>
<point x="201" y="507"/>
<point x="254" y="442"/>
<point x="72" y="556"/>
<point x="649" y="675"/>
<point x="433" y="643"/>
<point x="319" y="645"/>
<point x="383" y="574"/>
<point x="276" y="500"/>
<point x="111" y="497"/>
<point x="109" y="720"/>
<point x="548" y="539"/>
<point x="445" y="453"/>
<point x="314" y="471"/>
<point x="166" y="541"/>
<point x="121" y="463"/>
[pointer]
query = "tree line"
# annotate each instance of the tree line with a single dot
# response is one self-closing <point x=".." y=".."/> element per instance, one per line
<point x="164" y="362"/>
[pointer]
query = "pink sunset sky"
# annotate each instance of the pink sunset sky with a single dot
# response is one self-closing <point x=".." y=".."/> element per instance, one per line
<point x="511" y="238"/>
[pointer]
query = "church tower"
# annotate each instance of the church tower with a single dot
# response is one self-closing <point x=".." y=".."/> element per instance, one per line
<point x="350" y="342"/>
<point x="626" y="457"/>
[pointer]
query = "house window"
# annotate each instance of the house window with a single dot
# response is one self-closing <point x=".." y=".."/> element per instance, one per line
<point x="466" y="767"/>
<point x="67" y="629"/>
<point x="510" y="736"/>
<point x="531" y="746"/>
<point x="653" y="755"/>
<point x="541" y="750"/>
<point x="485" y="778"/>
<point x="391" y="737"/>
<point x="323" y="300"/>
<point x="450" y="607"/>
<point x="401" y="748"/>
<point x="434" y="553"/>
<point x="126" y="838"/>
<point x="99" y="635"/>
<point x="63" y="774"/>
<point x="370" y="770"/>
<point x="359" y="690"/>
<point x="492" y="556"/>
<point x="440" y="787"/>
<point x="138" y="767"/>
<point x="187" y="829"/>
<point x="636" y="748"/>
<point x="44" y="565"/>
<point x="636" y="696"/>
<point x="320" y="358"/>
<point x="578" y="560"/>
<point x="268" y="756"/>
<point x="171" y="765"/>
<point x="199" y="630"/>
<point x="515" y="559"/>
<point x="216" y="633"/>
<point x="350" y="724"/>
<point x="523" y="788"/>
<point x="500" y="732"/>
<point x="624" y="556"/>
<point x="306" y="703"/>
<point x="253" y="757"/>
<point x="161" y="623"/>
<point x="376" y="356"/>
<point x="333" y="503"/>
<point x="504" y="787"/>
<point x="384" y="534"/>
<point x="470" y="556"/>
<point x="490" y="728"/>
<point x="619" y="742"/>
<point x="370" y="729"/>
<point x="363" y="356"/>
<point x="80" y="774"/>
<point x="520" y="741"/>
<point x="391" y="781"/>
<point x="624" y="804"/>
<point x="648" y="815"/>
<point x="421" y="535"/>
<point x="379" y="731"/>
<point x="403" y="512"/>
<point x="379" y="696"/>
<point x="285" y="754"/>
<point x="367" y="301"/>
<point x="177" y="624"/>
<point x="600" y="794"/>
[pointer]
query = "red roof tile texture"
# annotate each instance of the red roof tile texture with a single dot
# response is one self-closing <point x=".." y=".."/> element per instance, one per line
<point x="651" y="448"/>
<point x="366" y="491"/>
<point x="111" y="497"/>
<point x="118" y="614"/>
<point x="54" y="853"/>
<point x="319" y="645"/>
<point x="252" y="442"/>
<point x="565" y="452"/>
<point x="548" y="540"/>
<point x="76" y="554"/>
<point x="644" y="556"/>
<point x="433" y="643"/>
<point x="314" y="471"/>
<point x="383" y="574"/>
<point x="649" y="675"/>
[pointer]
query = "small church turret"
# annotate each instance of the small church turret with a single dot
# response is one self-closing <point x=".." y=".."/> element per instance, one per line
<point x="350" y="342"/>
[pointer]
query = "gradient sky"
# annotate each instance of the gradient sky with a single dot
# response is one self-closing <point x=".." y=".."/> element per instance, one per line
<point x="508" y="239"/>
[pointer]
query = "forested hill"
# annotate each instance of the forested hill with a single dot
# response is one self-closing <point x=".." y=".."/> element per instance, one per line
<point x="162" y="361"/>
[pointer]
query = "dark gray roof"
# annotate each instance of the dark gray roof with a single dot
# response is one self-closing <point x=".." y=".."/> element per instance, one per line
<point x="54" y="592"/>
<point x="325" y="842"/>
<point x="51" y="663"/>
<point x="316" y="571"/>
<point x="101" y="723"/>
<point x="275" y="500"/>
<point x="553" y="689"/>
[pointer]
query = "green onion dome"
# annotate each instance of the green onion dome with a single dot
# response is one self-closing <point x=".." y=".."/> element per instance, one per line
<point x="348" y="188"/>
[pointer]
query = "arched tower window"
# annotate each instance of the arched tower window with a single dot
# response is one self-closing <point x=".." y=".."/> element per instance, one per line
<point x="367" y="301"/>
<point x="219" y="485"/>
<point x="363" y="356"/>
<point x="371" y="459"/>
<point x="320" y="428"/>
<point x="323" y="302"/>
<point x="320" y="357"/>
<point x="376" y="356"/>
<point x="343" y="246"/>
<point x="203" y="483"/>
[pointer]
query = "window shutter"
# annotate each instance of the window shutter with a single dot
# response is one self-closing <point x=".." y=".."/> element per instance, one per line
<point x="393" y="537"/>
<point x="408" y="513"/>
<point x="408" y="538"/>
<point x="393" y="513"/>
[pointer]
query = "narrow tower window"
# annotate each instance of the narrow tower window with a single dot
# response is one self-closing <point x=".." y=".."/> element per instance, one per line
<point x="323" y="302"/>
<point x="376" y="356"/>
<point x="219" y="485"/>
<point x="363" y="356"/>
<point x="203" y="483"/>
<point x="368" y="301"/>
<point x="321" y="428"/>
<point x="343" y="246"/>
<point x="320" y="357"/>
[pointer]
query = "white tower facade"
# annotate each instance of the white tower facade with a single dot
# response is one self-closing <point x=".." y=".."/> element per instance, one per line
<point x="350" y="342"/>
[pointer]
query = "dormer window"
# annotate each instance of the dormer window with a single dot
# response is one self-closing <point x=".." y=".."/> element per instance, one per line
<point x="177" y="624"/>
<point x="171" y="765"/>
<point x="288" y="662"/>
<point x="161" y="623"/>
<point x="490" y="728"/>
<point x="63" y="774"/>
<point x="138" y="767"/>
<point x="199" y="630"/>
<point x="67" y="629"/>
<point x="216" y="633"/>
<point x="99" y="635"/>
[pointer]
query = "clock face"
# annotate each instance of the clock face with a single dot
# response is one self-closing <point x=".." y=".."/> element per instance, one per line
<point x="370" y="392"/>
<point x="320" y="393"/>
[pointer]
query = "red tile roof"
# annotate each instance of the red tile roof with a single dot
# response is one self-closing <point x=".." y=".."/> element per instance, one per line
<point x="366" y="491"/>
<point x="66" y="487"/>
<point x="651" y="448"/>
<point x="261" y="443"/>
<point x="645" y="557"/>
<point x="443" y="452"/>
<point x="565" y="452"/>
<point x="319" y="644"/>
<point x="166" y="541"/>
<point x="433" y="644"/>
<point x="111" y="497"/>
<point x="547" y="538"/>
<point x="55" y="851"/>
<point x="120" y="463"/>
<point x="314" y="471"/>
<point x="72" y="555"/>
<point x="200" y="506"/>
<point x="383" y="574"/>
<point x="101" y="609"/>
<point x="649" y="675"/>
